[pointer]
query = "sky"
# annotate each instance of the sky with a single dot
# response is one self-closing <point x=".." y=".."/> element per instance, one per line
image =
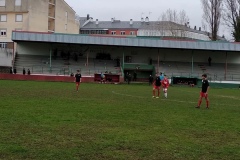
<point x="135" y="9"/>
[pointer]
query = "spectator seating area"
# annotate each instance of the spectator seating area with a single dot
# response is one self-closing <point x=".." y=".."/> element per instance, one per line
<point x="215" y="72"/>
<point x="60" y="66"/>
<point x="41" y="65"/>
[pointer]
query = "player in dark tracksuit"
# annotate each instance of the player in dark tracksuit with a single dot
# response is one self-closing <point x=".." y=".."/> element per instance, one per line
<point x="156" y="86"/>
<point x="78" y="77"/>
<point x="204" y="91"/>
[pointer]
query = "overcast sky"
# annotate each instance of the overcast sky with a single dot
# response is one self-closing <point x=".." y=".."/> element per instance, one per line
<point x="134" y="9"/>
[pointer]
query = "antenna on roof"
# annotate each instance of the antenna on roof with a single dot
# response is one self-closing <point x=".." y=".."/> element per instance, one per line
<point x="147" y="20"/>
<point x="131" y="21"/>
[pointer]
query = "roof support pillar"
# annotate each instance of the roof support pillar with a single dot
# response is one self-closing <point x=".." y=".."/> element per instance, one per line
<point x="123" y="60"/>
<point x="226" y="65"/>
<point x="158" y="62"/>
<point x="87" y="59"/>
<point x="50" y="60"/>
<point x="192" y="64"/>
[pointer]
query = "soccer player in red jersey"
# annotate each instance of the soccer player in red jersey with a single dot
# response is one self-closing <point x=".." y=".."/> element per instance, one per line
<point x="204" y="91"/>
<point x="165" y="85"/>
<point x="156" y="86"/>
<point x="78" y="77"/>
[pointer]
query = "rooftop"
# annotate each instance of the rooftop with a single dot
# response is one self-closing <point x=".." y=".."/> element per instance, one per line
<point x="137" y="25"/>
<point x="123" y="41"/>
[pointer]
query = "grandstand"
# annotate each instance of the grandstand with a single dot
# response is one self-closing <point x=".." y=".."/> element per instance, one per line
<point x="40" y="64"/>
<point x="176" y="58"/>
<point x="216" y="71"/>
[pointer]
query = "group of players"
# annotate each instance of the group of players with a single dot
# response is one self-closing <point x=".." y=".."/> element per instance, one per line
<point x="162" y="80"/>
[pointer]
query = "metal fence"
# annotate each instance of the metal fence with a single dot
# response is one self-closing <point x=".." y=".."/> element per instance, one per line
<point x="65" y="70"/>
<point x="211" y="77"/>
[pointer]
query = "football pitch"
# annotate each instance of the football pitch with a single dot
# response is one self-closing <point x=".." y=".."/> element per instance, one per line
<point x="50" y="120"/>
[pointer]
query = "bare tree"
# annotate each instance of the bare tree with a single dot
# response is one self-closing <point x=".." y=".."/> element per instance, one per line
<point x="184" y="21"/>
<point x="174" y="23"/>
<point x="212" y="12"/>
<point x="231" y="17"/>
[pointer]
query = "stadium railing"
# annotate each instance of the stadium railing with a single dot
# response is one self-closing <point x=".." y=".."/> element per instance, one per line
<point x="211" y="77"/>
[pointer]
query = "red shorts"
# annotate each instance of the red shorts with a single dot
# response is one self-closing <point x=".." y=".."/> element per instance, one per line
<point x="156" y="87"/>
<point x="78" y="83"/>
<point x="203" y="95"/>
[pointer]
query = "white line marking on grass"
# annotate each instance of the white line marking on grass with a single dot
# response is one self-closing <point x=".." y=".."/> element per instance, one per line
<point x="179" y="101"/>
<point x="215" y="95"/>
<point x="230" y="97"/>
<point x="171" y="100"/>
<point x="128" y="95"/>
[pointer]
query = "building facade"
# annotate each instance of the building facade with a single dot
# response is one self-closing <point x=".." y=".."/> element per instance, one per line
<point x="54" y="16"/>
<point x="144" y="28"/>
<point x="113" y="27"/>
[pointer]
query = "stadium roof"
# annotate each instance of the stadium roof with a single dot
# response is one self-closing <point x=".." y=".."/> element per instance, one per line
<point x="123" y="41"/>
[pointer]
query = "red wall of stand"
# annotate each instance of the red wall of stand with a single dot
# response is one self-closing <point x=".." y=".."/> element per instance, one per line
<point x="112" y="77"/>
<point x="43" y="78"/>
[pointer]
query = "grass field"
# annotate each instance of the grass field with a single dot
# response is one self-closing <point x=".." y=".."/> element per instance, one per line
<point x="46" y="120"/>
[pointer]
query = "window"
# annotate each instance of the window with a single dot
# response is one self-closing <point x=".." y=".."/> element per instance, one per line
<point x="122" y="32"/>
<point x="18" y="2"/>
<point x="19" y="17"/>
<point x="3" y="18"/>
<point x="132" y="33"/>
<point x="2" y="3"/>
<point x="3" y="45"/>
<point x="3" y="32"/>
<point x="113" y="32"/>
<point x="66" y="14"/>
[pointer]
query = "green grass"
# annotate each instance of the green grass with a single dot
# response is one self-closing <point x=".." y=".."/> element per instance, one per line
<point x="46" y="120"/>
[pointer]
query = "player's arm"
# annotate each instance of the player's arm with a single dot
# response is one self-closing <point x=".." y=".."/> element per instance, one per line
<point x="162" y="84"/>
<point x="154" y="82"/>
<point x="207" y="88"/>
<point x="167" y="83"/>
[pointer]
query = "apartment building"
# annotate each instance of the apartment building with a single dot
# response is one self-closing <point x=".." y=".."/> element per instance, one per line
<point x="54" y="16"/>
<point x="143" y="28"/>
